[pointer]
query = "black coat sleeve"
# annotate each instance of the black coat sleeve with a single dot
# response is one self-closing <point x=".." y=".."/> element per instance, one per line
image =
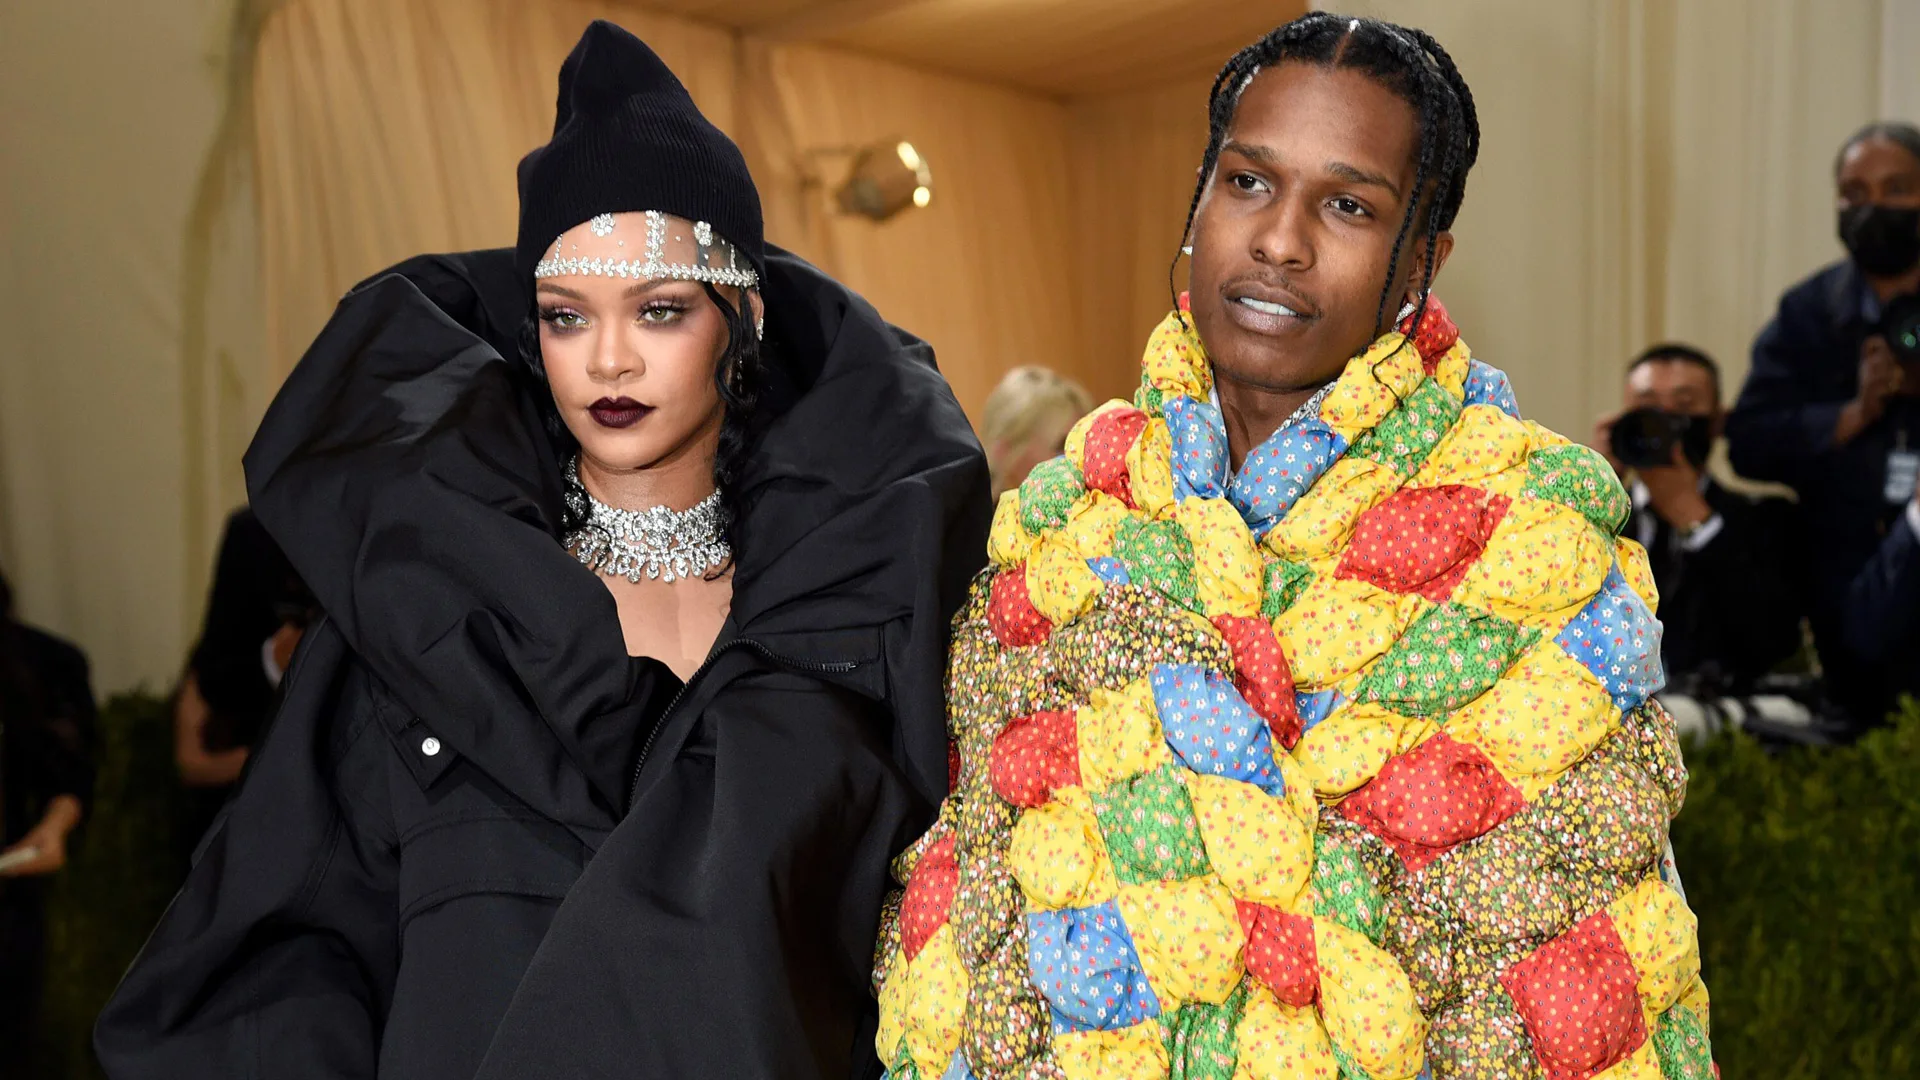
<point x="1883" y="603"/>
<point x="277" y="957"/>
<point x="1778" y="425"/>
<point x="727" y="927"/>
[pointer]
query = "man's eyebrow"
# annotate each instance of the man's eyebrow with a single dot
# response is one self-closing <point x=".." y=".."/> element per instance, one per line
<point x="1265" y="155"/>
<point x="1361" y="176"/>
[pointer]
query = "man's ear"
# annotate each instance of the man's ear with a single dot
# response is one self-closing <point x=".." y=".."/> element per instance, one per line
<point x="1442" y="248"/>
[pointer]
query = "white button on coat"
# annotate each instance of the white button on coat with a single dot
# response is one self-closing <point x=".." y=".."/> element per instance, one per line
<point x="430" y="746"/>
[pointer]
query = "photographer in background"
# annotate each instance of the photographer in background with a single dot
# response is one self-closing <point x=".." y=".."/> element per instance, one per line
<point x="1830" y="407"/>
<point x="1723" y="562"/>
<point x="47" y="719"/>
<point x="257" y="610"/>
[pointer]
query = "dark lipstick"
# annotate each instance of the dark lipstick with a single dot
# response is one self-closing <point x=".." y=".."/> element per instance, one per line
<point x="620" y="412"/>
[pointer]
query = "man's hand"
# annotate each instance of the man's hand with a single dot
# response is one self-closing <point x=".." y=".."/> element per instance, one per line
<point x="1881" y="377"/>
<point x="1603" y="442"/>
<point x="48" y="838"/>
<point x="285" y="640"/>
<point x="1675" y="492"/>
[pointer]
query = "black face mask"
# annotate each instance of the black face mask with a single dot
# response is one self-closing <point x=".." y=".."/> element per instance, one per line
<point x="1883" y="240"/>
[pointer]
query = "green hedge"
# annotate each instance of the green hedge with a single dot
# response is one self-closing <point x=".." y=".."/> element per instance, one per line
<point x="1804" y="868"/>
<point x="1803" y="865"/>
<point x="122" y="872"/>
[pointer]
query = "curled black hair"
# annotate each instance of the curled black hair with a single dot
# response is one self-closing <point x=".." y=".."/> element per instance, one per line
<point x="1903" y="135"/>
<point x="738" y="375"/>
<point x="1410" y="64"/>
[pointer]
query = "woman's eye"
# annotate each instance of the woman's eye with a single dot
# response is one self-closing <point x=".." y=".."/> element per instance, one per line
<point x="563" y="319"/>
<point x="660" y="313"/>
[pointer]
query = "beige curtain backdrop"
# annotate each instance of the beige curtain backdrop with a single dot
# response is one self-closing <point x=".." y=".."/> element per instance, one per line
<point x="178" y="219"/>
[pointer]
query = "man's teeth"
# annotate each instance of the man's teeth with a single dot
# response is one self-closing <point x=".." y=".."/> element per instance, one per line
<point x="1266" y="308"/>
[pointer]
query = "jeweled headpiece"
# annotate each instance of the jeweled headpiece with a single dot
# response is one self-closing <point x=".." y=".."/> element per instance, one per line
<point x="674" y="250"/>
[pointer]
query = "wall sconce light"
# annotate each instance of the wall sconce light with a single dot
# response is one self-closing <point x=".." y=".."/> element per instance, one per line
<point x="887" y="177"/>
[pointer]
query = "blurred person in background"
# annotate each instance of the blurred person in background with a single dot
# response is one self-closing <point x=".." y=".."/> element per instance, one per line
<point x="257" y="609"/>
<point x="47" y="717"/>
<point x="1830" y="410"/>
<point x="629" y="681"/>
<point x="1883" y="603"/>
<point x="1026" y="422"/>
<point x="1723" y="562"/>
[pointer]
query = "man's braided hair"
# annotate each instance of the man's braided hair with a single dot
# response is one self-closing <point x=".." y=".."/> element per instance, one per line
<point x="1406" y="61"/>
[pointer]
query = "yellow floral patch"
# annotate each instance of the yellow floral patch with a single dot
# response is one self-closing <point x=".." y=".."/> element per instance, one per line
<point x="1338" y="627"/>
<point x="1318" y="526"/>
<point x="1150" y="468"/>
<point x="937" y="1004"/>
<point x="1188" y="938"/>
<point x="1659" y="933"/>
<point x="1454" y="367"/>
<point x="1226" y="564"/>
<point x="1120" y="735"/>
<point x="1372" y="384"/>
<point x="1541" y="566"/>
<point x="1280" y="1042"/>
<point x="1059" y="583"/>
<point x="1543" y="716"/>
<point x="1347" y="749"/>
<point x="1058" y="856"/>
<point x="1483" y="444"/>
<point x="1092" y="523"/>
<point x="1132" y="1053"/>
<point x="1368" y="1004"/>
<point x="1009" y="541"/>
<point x="1635" y="567"/>
<point x="1262" y="851"/>
<point x="1174" y="362"/>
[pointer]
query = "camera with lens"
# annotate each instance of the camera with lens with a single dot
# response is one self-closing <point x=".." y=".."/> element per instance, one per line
<point x="1900" y="324"/>
<point x="1645" y="438"/>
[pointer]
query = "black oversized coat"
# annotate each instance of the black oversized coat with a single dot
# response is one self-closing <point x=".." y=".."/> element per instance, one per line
<point x="478" y="839"/>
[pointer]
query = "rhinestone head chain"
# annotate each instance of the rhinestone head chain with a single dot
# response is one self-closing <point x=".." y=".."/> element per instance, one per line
<point x="657" y="543"/>
<point x="698" y="255"/>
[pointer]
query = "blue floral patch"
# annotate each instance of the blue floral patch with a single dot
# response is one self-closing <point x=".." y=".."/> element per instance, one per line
<point x="1617" y="639"/>
<point x="1110" y="570"/>
<point x="1488" y="385"/>
<point x="1199" y="437"/>
<point x="1316" y="706"/>
<point x="1083" y="961"/>
<point x="1212" y="729"/>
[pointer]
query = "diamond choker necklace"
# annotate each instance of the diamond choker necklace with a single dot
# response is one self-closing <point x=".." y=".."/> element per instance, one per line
<point x="654" y="543"/>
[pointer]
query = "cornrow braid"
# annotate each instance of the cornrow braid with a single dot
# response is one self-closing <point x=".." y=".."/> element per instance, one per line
<point x="1408" y="62"/>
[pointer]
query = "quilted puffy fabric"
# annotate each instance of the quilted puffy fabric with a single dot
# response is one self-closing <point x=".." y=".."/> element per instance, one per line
<point x="1341" y="764"/>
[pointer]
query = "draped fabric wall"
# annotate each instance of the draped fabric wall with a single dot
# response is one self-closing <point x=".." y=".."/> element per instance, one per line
<point x="178" y="220"/>
<point x="386" y="128"/>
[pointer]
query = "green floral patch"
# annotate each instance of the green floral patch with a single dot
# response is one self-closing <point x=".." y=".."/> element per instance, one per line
<point x="1343" y="890"/>
<point x="1150" y="829"/>
<point x="1410" y="432"/>
<point x="905" y="1068"/>
<point x="1158" y="554"/>
<point x="1681" y="1042"/>
<point x="1048" y="492"/>
<point x="1148" y="399"/>
<point x="1283" y="583"/>
<point x="1446" y="659"/>
<point x="1200" y="1038"/>
<point x="1579" y="477"/>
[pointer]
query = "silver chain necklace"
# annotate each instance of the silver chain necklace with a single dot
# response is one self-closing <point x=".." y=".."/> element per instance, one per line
<point x="655" y="543"/>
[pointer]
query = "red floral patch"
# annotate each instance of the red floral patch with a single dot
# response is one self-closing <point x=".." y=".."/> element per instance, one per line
<point x="1578" y="996"/>
<point x="1262" y="675"/>
<point x="1435" y="335"/>
<point x="1010" y="611"/>
<point x="1280" y="952"/>
<point x="929" y="896"/>
<point x="1423" y="540"/>
<point x="1109" y="438"/>
<point x="1035" y="756"/>
<point x="1433" y="797"/>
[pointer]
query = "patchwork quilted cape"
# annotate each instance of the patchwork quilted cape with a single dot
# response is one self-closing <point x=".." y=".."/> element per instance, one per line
<point x="1342" y="766"/>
